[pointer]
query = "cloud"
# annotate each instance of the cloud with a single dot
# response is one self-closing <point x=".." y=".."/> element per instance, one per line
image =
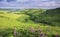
<point x="30" y="4"/>
<point x="10" y="0"/>
<point x="22" y="0"/>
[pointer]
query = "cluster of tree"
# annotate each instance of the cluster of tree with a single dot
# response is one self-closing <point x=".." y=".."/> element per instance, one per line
<point x="51" y="16"/>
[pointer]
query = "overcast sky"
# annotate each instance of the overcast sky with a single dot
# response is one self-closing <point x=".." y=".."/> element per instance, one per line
<point x="29" y="4"/>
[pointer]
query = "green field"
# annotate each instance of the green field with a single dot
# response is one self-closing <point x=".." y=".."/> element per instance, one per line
<point x="29" y="23"/>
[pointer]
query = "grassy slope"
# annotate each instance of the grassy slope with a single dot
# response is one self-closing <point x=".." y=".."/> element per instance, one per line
<point x="52" y="16"/>
<point x="9" y="21"/>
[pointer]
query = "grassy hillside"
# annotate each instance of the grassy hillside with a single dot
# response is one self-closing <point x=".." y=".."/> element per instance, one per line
<point x="29" y="23"/>
<point x="51" y="17"/>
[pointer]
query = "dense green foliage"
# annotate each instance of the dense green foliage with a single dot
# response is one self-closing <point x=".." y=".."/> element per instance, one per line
<point x="51" y="16"/>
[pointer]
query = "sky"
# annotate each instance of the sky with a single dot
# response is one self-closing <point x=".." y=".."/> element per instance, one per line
<point x="21" y="4"/>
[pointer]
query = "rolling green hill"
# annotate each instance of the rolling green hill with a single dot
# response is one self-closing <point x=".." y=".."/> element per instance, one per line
<point x="30" y="23"/>
<point x="51" y="17"/>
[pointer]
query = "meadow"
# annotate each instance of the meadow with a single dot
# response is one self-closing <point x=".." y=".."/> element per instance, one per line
<point x="30" y="23"/>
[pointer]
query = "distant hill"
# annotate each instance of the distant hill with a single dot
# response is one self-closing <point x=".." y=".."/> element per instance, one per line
<point x="51" y="16"/>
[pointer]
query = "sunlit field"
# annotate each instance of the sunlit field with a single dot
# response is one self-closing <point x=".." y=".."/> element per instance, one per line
<point x="30" y="23"/>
